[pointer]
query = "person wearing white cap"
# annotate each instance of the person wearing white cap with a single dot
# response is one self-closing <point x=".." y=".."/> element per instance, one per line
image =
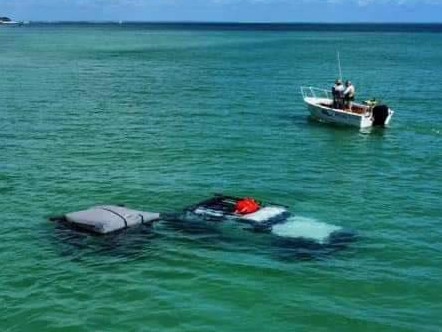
<point x="349" y="94"/>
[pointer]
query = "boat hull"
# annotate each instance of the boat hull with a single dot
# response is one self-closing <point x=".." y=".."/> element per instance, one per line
<point x="10" y="23"/>
<point x="339" y="117"/>
<point x="361" y="119"/>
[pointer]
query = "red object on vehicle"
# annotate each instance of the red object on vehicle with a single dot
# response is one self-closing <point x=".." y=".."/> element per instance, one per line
<point x="246" y="205"/>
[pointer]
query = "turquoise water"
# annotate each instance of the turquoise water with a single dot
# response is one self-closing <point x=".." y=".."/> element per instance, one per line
<point x="158" y="118"/>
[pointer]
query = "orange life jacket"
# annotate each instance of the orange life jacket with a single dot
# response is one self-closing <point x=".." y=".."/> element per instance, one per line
<point x="246" y="205"/>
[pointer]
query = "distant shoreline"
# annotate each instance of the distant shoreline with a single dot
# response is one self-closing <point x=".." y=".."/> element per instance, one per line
<point x="232" y="23"/>
<point x="295" y="26"/>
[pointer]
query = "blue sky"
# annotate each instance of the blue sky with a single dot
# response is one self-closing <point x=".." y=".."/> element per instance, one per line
<point x="225" y="10"/>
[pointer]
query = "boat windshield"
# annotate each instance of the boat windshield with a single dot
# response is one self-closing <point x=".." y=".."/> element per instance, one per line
<point x="312" y="92"/>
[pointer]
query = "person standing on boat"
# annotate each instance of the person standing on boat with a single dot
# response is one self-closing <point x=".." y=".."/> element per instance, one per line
<point x="349" y="94"/>
<point x="338" y="94"/>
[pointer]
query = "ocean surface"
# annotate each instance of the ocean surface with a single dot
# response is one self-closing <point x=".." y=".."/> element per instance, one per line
<point x="158" y="117"/>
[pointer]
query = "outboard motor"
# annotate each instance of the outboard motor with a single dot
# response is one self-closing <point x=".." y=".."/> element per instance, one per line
<point x="380" y="114"/>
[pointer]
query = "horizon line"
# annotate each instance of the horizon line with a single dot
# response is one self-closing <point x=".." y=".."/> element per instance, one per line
<point x="226" y="22"/>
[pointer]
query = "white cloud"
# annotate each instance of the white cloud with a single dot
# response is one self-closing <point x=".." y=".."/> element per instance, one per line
<point x="364" y="3"/>
<point x="335" y="2"/>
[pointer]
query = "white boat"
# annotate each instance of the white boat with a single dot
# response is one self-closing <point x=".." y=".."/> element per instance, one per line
<point x="363" y="115"/>
<point x="8" y="21"/>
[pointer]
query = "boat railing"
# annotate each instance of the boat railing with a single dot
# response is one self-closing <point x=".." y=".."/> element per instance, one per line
<point x="312" y="92"/>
